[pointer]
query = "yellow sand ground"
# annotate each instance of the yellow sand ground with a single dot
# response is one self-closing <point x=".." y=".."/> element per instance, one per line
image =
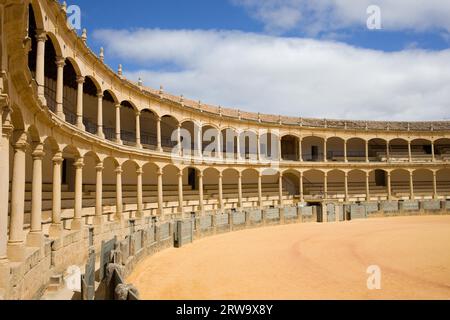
<point x="307" y="261"/>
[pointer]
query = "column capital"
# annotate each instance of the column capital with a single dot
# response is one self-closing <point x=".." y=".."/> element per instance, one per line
<point x="159" y="172"/>
<point x="180" y="173"/>
<point x="79" y="163"/>
<point x="220" y="174"/>
<point x="137" y="113"/>
<point x="139" y="171"/>
<point x="80" y="79"/>
<point x="118" y="170"/>
<point x="200" y="174"/>
<point x="58" y="158"/>
<point x="38" y="152"/>
<point x="99" y="166"/>
<point x="118" y="106"/>
<point x="239" y="174"/>
<point x="20" y="145"/>
<point x="100" y="95"/>
<point x="41" y="35"/>
<point x="60" y="62"/>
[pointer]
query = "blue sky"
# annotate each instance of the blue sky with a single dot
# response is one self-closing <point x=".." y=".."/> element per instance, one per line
<point x="279" y="30"/>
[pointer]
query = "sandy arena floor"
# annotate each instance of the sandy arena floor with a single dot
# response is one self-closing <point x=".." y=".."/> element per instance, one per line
<point x="307" y="261"/>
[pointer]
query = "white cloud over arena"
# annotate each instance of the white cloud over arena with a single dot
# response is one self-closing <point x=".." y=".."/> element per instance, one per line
<point x="327" y="15"/>
<point x="291" y="76"/>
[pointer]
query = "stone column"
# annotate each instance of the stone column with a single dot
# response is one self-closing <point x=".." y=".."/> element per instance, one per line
<point x="258" y="147"/>
<point x="100" y="132"/>
<point x="301" y="187"/>
<point x="139" y="194"/>
<point x="119" y="201"/>
<point x="238" y="147"/>
<point x="160" y="192"/>
<point x="280" y="154"/>
<point x="367" y="186"/>
<point x="138" y="130"/>
<point x="409" y="151"/>
<point x="180" y="145"/>
<point x="346" y="186"/>
<point x="388" y="151"/>
<point x="260" y="200"/>
<point x="98" y="219"/>
<point x="158" y="135"/>
<point x="41" y="37"/>
<point x="60" y="63"/>
<point x="240" y="202"/>
<point x="435" y="193"/>
<point x="200" y="142"/>
<point x="280" y="189"/>
<point x="367" y="151"/>
<point x="325" y="150"/>
<point x="300" y="149"/>
<point x="16" y="243"/>
<point x="325" y="185"/>
<point x="78" y="223"/>
<point x="80" y="82"/>
<point x="411" y="185"/>
<point x="36" y="238"/>
<point x="56" y="227"/>
<point x="118" y="129"/>
<point x="433" y="154"/>
<point x="389" y="187"/>
<point x="200" y="192"/>
<point x="219" y="144"/>
<point x="221" y="205"/>
<point x="180" y="193"/>
<point x="345" y="151"/>
<point x="6" y="131"/>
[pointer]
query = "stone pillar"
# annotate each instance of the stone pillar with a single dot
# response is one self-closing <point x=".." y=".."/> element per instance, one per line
<point x="78" y="223"/>
<point x="258" y="147"/>
<point x="325" y="185"/>
<point x="238" y="147"/>
<point x="388" y="151"/>
<point x="119" y="201"/>
<point x="433" y="154"/>
<point x="139" y="194"/>
<point x="389" y="187"/>
<point x="240" y="202"/>
<point x="100" y="132"/>
<point x="80" y="82"/>
<point x="219" y="145"/>
<point x="280" y="154"/>
<point x="411" y="185"/>
<point x="346" y="186"/>
<point x="325" y="150"/>
<point x="367" y="186"/>
<point x="260" y="200"/>
<point x="435" y="193"/>
<point x="158" y="135"/>
<point x="180" y="145"/>
<point x="160" y="192"/>
<point x="367" y="151"/>
<point x="98" y="219"/>
<point x="36" y="238"/>
<point x="16" y="243"/>
<point x="60" y="63"/>
<point x="200" y="142"/>
<point x="345" y="151"/>
<point x="118" y="129"/>
<point x="138" y="130"/>
<point x="409" y="151"/>
<point x="56" y="227"/>
<point x="5" y="134"/>
<point x="180" y="193"/>
<point x="221" y="205"/>
<point x="301" y="187"/>
<point x="41" y="37"/>
<point x="300" y="149"/>
<point x="280" y="189"/>
<point x="200" y="192"/>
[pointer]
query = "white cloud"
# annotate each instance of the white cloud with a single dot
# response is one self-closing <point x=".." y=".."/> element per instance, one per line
<point x="290" y="76"/>
<point x="313" y="16"/>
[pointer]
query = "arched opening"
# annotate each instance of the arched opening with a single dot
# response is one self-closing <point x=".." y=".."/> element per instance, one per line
<point x="91" y="161"/>
<point x="336" y="184"/>
<point x="290" y="148"/>
<point x="191" y="184"/>
<point x="423" y="183"/>
<point x="312" y="149"/>
<point x="211" y="188"/>
<point x="377" y="150"/>
<point x="398" y="150"/>
<point x="357" y="185"/>
<point x="230" y="188"/>
<point x="189" y="138"/>
<point x="170" y="187"/>
<point x="229" y="143"/>
<point x="291" y="183"/>
<point x="335" y="149"/>
<point x="148" y="121"/>
<point x="443" y="183"/>
<point x="313" y="184"/>
<point x="248" y="143"/>
<point x="400" y="184"/>
<point x="442" y="149"/>
<point x="70" y="92"/>
<point x="50" y="74"/>
<point x="128" y="123"/>
<point x="210" y="142"/>
<point x="90" y="105"/>
<point x="32" y="54"/>
<point x="169" y="126"/>
<point x="421" y="150"/>
<point x="150" y="187"/>
<point x="250" y="188"/>
<point x="356" y="150"/>
<point x="269" y="146"/>
<point x="109" y="115"/>
<point x="109" y="185"/>
<point x="129" y="188"/>
<point x="378" y="184"/>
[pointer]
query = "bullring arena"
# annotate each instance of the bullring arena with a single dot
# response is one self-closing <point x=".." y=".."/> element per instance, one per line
<point x="109" y="176"/>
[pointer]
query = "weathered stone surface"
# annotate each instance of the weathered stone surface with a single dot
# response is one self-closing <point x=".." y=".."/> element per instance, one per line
<point x="256" y="215"/>
<point x="389" y="206"/>
<point x="272" y="213"/>
<point x="164" y="231"/>
<point x="432" y="205"/>
<point x="205" y="222"/>
<point x="410" y="205"/>
<point x="358" y="211"/>
<point x="290" y="213"/>
<point x="238" y="218"/>
<point x="222" y="220"/>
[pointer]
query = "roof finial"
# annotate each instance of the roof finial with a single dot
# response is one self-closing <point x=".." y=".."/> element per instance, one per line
<point x="140" y="82"/>
<point x="239" y="114"/>
<point x="182" y="99"/>
<point x="102" y="54"/>
<point x="161" y="89"/>
<point x="64" y="7"/>
<point x="84" y="35"/>
<point x="220" y="111"/>
<point x="119" y="71"/>
<point x="200" y="105"/>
